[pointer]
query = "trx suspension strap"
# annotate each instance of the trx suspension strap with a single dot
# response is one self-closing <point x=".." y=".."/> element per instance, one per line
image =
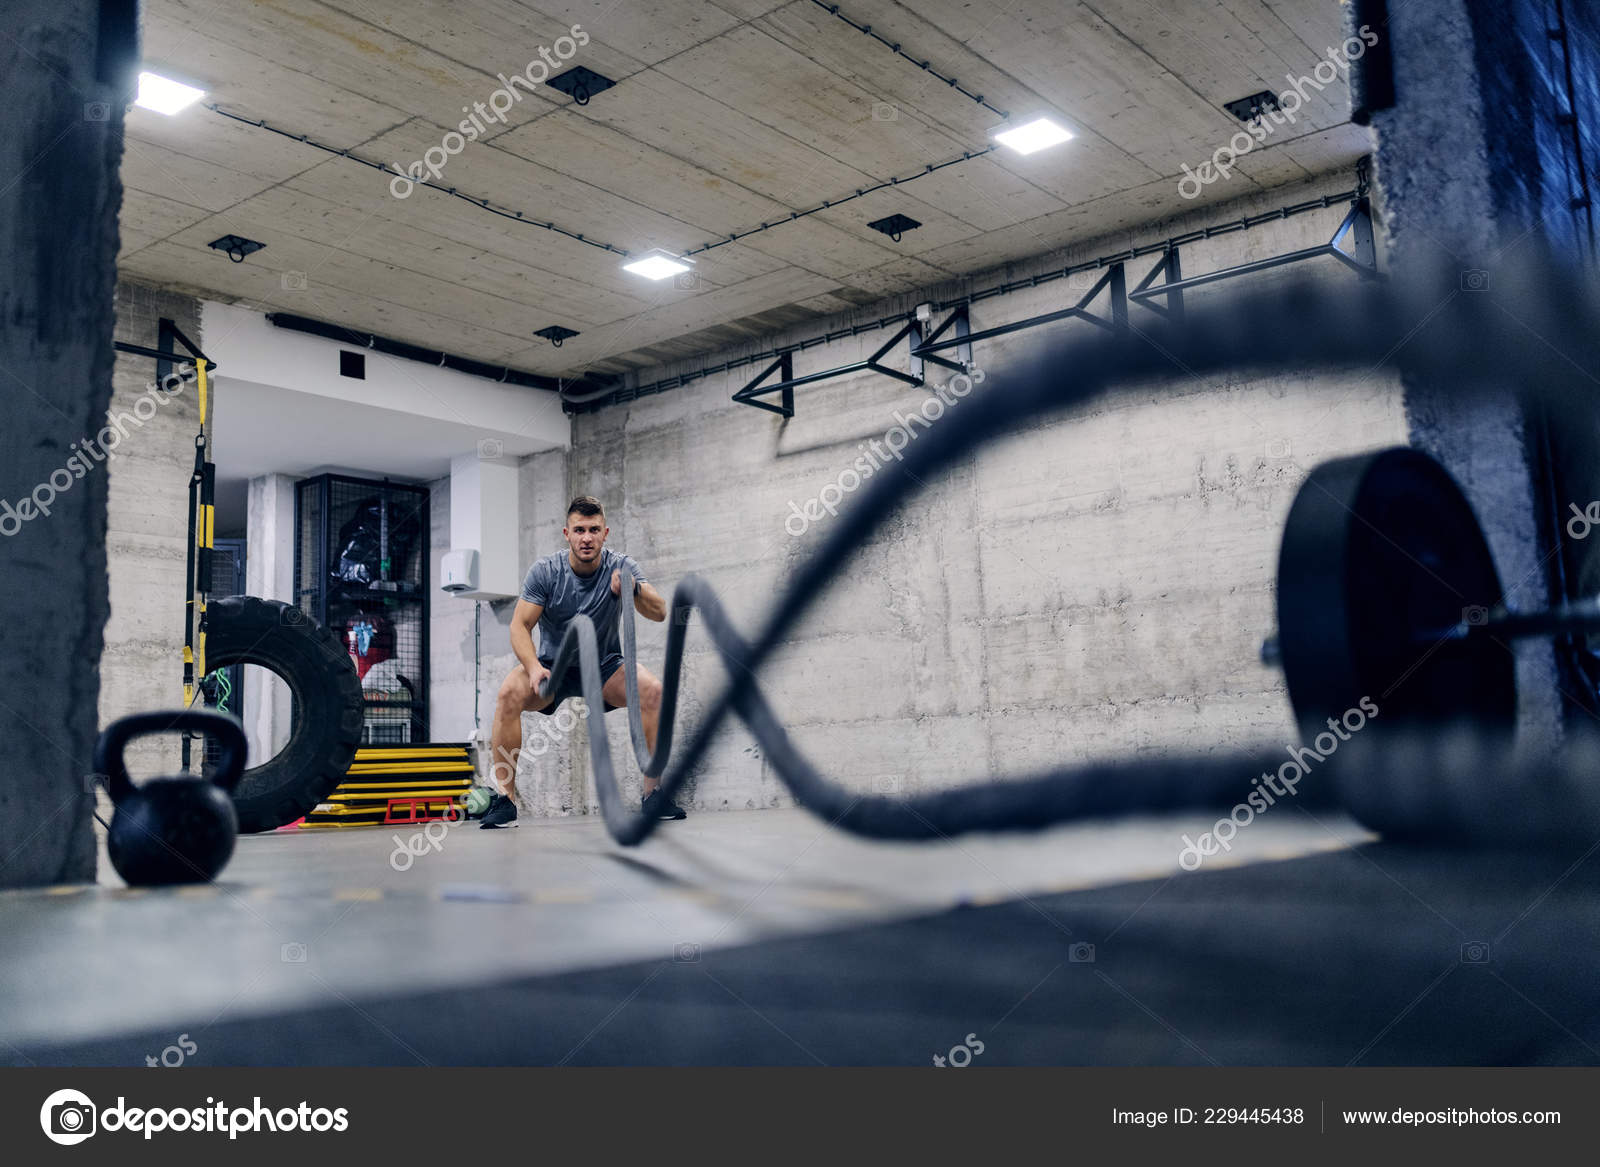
<point x="202" y="530"/>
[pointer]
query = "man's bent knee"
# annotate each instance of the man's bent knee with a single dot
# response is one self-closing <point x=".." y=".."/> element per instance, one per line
<point x="650" y="695"/>
<point x="518" y="694"/>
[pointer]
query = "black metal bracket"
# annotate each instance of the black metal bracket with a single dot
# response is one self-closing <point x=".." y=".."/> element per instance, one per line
<point x="1357" y="225"/>
<point x="237" y="246"/>
<point x="1113" y="283"/>
<point x="752" y="392"/>
<point x="1362" y="258"/>
<point x="784" y="367"/>
<point x="580" y="84"/>
<point x="556" y="333"/>
<point x="894" y="226"/>
<point x="167" y="334"/>
<point x="1170" y="268"/>
<point x="961" y="319"/>
<point x="1251" y="107"/>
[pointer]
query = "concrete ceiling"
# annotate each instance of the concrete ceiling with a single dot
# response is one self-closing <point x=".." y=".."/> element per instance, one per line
<point x="725" y="115"/>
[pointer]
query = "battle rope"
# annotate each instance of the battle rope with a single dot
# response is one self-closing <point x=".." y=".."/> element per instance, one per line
<point x="1432" y="785"/>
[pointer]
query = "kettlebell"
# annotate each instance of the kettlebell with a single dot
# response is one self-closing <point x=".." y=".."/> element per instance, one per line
<point x="171" y="830"/>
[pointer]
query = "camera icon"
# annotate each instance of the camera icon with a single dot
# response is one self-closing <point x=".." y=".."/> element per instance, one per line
<point x="885" y="111"/>
<point x="1474" y="279"/>
<point x="682" y="616"/>
<point x="67" y="1117"/>
<point x="686" y="953"/>
<point x="97" y="111"/>
<point x="293" y="952"/>
<point x="1081" y="953"/>
<point x="1278" y="449"/>
<point x="71" y="1121"/>
<point x="686" y="280"/>
<point x="1475" y="952"/>
<point x="294" y="281"/>
<point x="490" y="449"/>
<point x="292" y="616"/>
<point x="1476" y="615"/>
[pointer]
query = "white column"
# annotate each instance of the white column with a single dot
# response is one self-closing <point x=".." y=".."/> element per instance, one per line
<point x="269" y="573"/>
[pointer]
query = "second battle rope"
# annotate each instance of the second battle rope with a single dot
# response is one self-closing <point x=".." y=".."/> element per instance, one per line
<point x="1457" y="785"/>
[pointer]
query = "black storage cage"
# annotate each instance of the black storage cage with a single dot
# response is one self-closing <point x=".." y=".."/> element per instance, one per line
<point x="361" y="570"/>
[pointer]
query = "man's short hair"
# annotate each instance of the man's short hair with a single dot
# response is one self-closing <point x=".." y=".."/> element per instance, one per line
<point x="586" y="505"/>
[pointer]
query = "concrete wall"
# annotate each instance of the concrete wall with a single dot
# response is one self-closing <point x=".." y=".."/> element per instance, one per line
<point x="60" y="145"/>
<point x="1097" y="585"/>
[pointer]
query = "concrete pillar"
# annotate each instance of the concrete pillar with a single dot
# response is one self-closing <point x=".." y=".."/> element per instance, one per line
<point x="269" y="573"/>
<point x="64" y="67"/>
<point x="450" y="635"/>
<point x="147" y="526"/>
<point x="1472" y="175"/>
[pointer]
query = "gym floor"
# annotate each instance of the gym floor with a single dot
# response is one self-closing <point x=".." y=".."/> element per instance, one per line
<point x="546" y="944"/>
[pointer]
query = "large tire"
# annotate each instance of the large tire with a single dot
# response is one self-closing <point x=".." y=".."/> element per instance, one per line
<point x="327" y="704"/>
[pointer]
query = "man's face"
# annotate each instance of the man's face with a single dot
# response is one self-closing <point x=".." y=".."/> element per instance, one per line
<point x="586" y="535"/>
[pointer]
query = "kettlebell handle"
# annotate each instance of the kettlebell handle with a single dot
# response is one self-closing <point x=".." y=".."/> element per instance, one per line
<point x="226" y="730"/>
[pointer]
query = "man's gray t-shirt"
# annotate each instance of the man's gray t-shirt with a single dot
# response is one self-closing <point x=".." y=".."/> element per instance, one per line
<point x="564" y="593"/>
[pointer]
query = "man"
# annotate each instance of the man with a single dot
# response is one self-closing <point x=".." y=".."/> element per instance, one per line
<point x="585" y="578"/>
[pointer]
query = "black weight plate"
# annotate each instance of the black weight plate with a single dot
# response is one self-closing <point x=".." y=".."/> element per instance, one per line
<point x="1381" y="554"/>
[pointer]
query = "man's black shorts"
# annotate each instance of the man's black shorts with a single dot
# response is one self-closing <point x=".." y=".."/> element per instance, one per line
<point x="571" y="686"/>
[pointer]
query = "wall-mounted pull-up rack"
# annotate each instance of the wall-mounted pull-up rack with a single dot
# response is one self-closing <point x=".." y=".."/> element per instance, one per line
<point x="1352" y="244"/>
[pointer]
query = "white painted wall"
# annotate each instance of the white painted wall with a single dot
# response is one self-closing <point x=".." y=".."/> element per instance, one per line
<point x="247" y="346"/>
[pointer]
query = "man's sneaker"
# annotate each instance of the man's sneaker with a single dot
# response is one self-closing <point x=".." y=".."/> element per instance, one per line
<point x="501" y="812"/>
<point x="656" y="806"/>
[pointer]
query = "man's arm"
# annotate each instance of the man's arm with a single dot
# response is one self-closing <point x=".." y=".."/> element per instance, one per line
<point x="649" y="603"/>
<point x="522" y="623"/>
<point x="646" y="600"/>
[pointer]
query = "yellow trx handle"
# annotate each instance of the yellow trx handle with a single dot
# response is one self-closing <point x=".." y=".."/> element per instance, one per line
<point x="205" y="532"/>
<point x="200" y="645"/>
